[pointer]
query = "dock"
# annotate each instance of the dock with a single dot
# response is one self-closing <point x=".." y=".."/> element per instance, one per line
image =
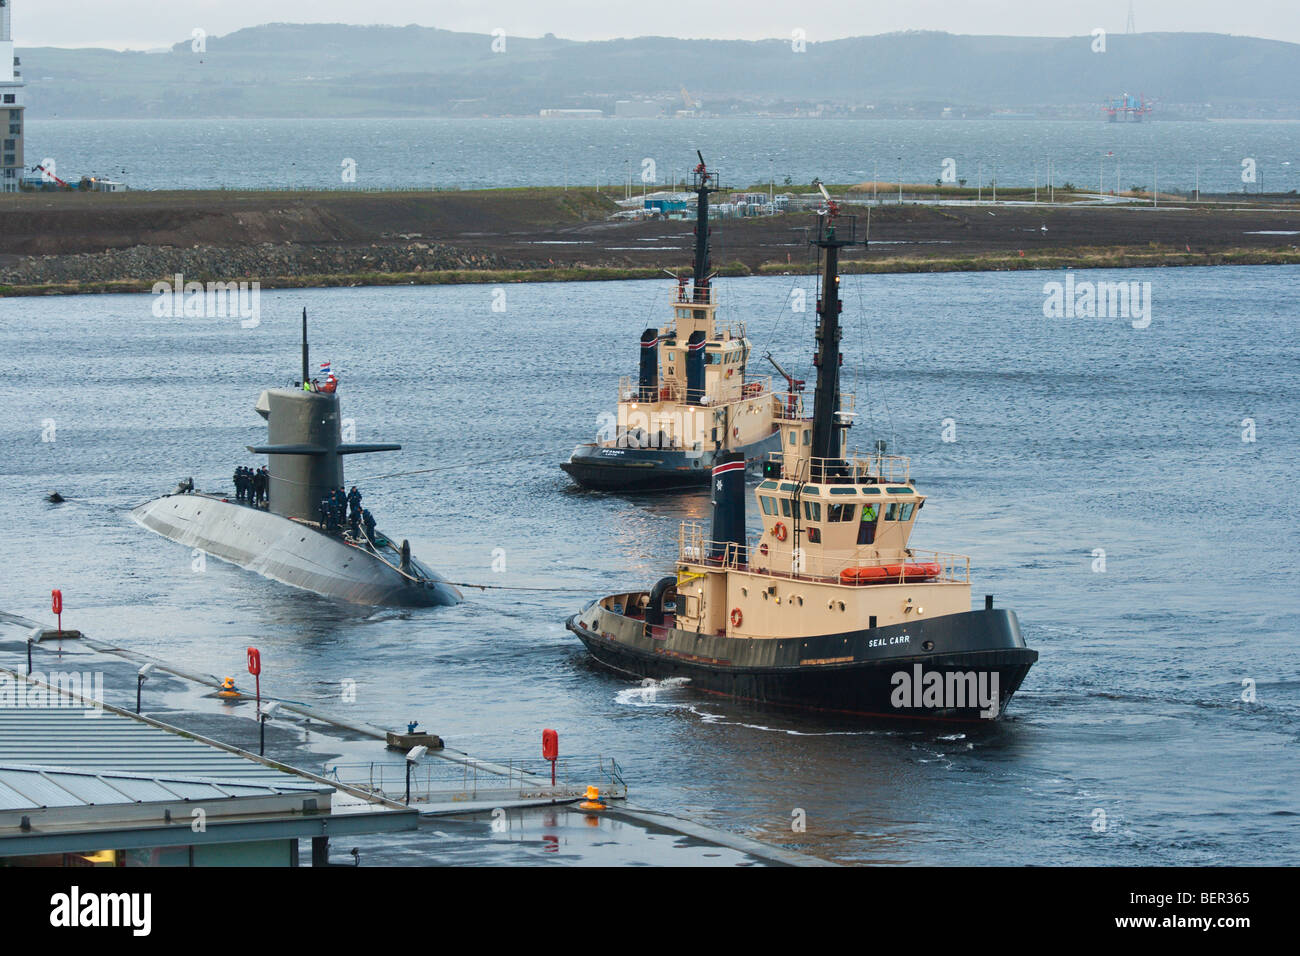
<point x="468" y="810"/>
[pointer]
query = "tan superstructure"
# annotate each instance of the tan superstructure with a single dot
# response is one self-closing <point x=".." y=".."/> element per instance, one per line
<point x="833" y="556"/>
<point x="730" y="412"/>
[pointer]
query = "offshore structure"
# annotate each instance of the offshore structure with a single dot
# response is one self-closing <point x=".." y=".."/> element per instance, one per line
<point x="11" y="106"/>
<point x="1127" y="106"/>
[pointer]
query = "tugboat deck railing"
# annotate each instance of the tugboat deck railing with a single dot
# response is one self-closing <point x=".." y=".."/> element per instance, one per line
<point x="686" y="296"/>
<point x="694" y="549"/>
<point x="848" y="470"/>
<point x="630" y="390"/>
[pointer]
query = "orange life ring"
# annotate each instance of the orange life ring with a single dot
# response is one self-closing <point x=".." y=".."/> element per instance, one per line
<point x="735" y="431"/>
<point x="779" y="531"/>
<point x="762" y="549"/>
<point x="736" y="617"/>
<point x="730" y="372"/>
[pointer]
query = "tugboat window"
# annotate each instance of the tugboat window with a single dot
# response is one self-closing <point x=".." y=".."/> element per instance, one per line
<point x="815" y="536"/>
<point x="812" y="510"/>
<point x="906" y="514"/>
<point x="891" y="513"/>
<point x="838" y="512"/>
<point x="785" y="508"/>
<point x="769" y="506"/>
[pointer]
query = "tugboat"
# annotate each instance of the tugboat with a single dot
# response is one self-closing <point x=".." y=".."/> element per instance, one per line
<point x="692" y="400"/>
<point x="294" y="539"/>
<point x="830" y="608"/>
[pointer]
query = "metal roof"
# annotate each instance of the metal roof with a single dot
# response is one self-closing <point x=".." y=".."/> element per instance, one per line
<point x="30" y="788"/>
<point x="77" y="738"/>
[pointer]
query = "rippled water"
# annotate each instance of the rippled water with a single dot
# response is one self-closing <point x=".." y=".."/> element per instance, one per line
<point x="474" y="153"/>
<point x="1072" y="435"/>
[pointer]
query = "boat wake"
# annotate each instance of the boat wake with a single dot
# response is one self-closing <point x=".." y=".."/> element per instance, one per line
<point x="673" y="693"/>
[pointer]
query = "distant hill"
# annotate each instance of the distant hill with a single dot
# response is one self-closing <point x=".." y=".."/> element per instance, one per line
<point x="336" y="70"/>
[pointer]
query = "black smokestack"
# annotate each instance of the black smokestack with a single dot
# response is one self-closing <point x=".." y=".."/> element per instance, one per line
<point x="649" y="365"/>
<point x="305" y="370"/>
<point x="728" y="485"/>
<point x="695" y="368"/>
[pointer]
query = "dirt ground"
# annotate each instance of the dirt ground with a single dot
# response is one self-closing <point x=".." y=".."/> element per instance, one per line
<point x="542" y="229"/>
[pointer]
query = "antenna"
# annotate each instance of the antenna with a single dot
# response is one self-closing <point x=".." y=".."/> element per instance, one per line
<point x="1131" y="27"/>
<point x="306" y="368"/>
<point x="832" y="207"/>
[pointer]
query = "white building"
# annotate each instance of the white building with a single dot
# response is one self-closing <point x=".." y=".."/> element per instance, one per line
<point x="11" y="107"/>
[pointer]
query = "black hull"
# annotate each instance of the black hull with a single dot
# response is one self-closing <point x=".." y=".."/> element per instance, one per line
<point x="854" y="673"/>
<point x="600" y="468"/>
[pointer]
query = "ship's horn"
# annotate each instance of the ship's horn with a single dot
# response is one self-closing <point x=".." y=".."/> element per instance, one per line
<point x="728" y="486"/>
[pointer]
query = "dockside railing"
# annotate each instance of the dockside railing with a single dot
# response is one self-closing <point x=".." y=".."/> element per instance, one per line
<point x="474" y="780"/>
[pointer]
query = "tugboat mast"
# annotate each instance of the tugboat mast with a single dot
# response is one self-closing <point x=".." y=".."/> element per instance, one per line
<point x="827" y="430"/>
<point x="703" y="179"/>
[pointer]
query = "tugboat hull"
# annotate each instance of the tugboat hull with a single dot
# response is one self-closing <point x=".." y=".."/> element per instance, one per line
<point x="290" y="552"/>
<point x="979" y="657"/>
<point x="602" y="468"/>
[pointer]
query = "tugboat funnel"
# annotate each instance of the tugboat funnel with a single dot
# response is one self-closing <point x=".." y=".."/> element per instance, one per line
<point x="728" y="507"/>
<point x="649" y="380"/>
<point x="695" y="368"/>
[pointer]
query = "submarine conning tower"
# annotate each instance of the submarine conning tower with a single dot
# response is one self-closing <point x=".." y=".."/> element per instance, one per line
<point x="305" y="445"/>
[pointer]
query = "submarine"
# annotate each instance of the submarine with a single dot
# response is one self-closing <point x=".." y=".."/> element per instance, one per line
<point x="830" y="607"/>
<point x="692" y="399"/>
<point x="291" y="539"/>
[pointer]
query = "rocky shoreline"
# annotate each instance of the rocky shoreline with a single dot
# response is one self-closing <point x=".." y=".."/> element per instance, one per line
<point x="146" y="264"/>
<point x="78" y="243"/>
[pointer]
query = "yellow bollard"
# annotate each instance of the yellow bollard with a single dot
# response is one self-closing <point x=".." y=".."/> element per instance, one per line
<point x="593" y="800"/>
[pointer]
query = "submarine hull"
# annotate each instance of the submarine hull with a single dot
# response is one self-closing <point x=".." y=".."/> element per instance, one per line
<point x="291" y="552"/>
<point x="854" y="673"/>
<point x="610" y="468"/>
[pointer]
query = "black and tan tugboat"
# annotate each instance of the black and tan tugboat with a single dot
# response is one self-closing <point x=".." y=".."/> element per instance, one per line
<point x="830" y="608"/>
<point x="693" y="400"/>
<point x="297" y="536"/>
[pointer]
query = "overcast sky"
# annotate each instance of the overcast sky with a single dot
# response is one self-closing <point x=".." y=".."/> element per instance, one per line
<point x="142" y="24"/>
